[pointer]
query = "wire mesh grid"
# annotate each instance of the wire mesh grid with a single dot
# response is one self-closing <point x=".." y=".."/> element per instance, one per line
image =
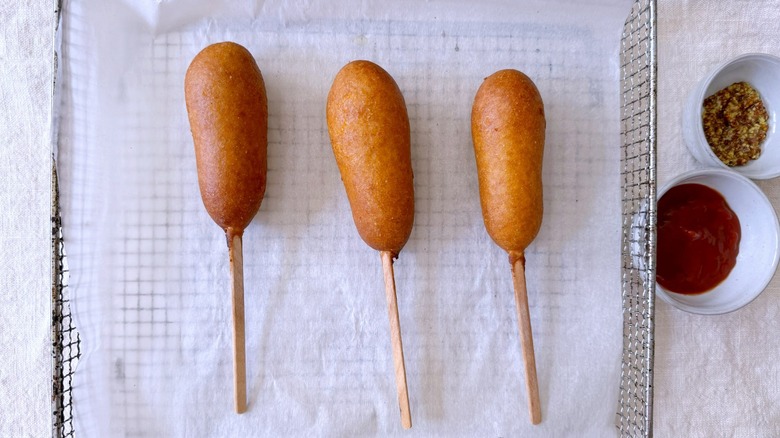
<point x="66" y="344"/>
<point x="638" y="179"/>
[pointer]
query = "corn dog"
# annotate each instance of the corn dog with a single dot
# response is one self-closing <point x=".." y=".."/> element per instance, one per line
<point x="228" y="114"/>
<point x="508" y="127"/>
<point x="369" y="132"/>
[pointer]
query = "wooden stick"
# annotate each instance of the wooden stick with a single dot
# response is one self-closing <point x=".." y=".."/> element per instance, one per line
<point x="239" y="349"/>
<point x="526" y="339"/>
<point x="395" y="338"/>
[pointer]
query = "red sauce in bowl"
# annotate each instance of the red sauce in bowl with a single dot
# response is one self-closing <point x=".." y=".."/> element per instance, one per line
<point x="698" y="239"/>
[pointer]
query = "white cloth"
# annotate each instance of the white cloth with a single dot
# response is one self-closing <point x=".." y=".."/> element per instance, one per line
<point x="714" y="375"/>
<point x="26" y="30"/>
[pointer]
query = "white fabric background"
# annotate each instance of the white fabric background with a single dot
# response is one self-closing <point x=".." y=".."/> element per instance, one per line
<point x="26" y="30"/>
<point x="714" y="375"/>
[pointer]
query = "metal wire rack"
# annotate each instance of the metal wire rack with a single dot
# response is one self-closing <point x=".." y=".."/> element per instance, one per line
<point x="66" y="345"/>
<point x="65" y="341"/>
<point x="638" y="182"/>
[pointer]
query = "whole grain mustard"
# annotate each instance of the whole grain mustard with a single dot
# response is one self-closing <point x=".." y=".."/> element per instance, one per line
<point x="735" y="123"/>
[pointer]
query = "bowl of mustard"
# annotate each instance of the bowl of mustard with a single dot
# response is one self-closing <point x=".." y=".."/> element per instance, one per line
<point x="729" y="119"/>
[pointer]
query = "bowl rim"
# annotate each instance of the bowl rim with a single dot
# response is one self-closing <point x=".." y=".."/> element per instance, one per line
<point x="664" y="294"/>
<point x="701" y="91"/>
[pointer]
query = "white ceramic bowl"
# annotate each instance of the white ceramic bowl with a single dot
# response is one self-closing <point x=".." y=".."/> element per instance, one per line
<point x="763" y="73"/>
<point x="758" y="248"/>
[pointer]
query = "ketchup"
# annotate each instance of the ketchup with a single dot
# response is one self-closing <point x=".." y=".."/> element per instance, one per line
<point x="698" y="239"/>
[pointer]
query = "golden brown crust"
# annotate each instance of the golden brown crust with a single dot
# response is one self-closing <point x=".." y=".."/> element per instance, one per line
<point x="369" y="131"/>
<point x="507" y="126"/>
<point x="227" y="108"/>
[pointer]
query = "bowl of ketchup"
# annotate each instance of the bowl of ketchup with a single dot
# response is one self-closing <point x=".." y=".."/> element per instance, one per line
<point x="718" y="241"/>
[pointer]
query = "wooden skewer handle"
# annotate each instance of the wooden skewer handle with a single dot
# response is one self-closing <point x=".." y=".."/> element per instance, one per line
<point x="239" y="341"/>
<point x="395" y="338"/>
<point x="526" y="339"/>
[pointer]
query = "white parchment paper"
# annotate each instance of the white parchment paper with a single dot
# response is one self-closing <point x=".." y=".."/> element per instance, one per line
<point x="149" y="269"/>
